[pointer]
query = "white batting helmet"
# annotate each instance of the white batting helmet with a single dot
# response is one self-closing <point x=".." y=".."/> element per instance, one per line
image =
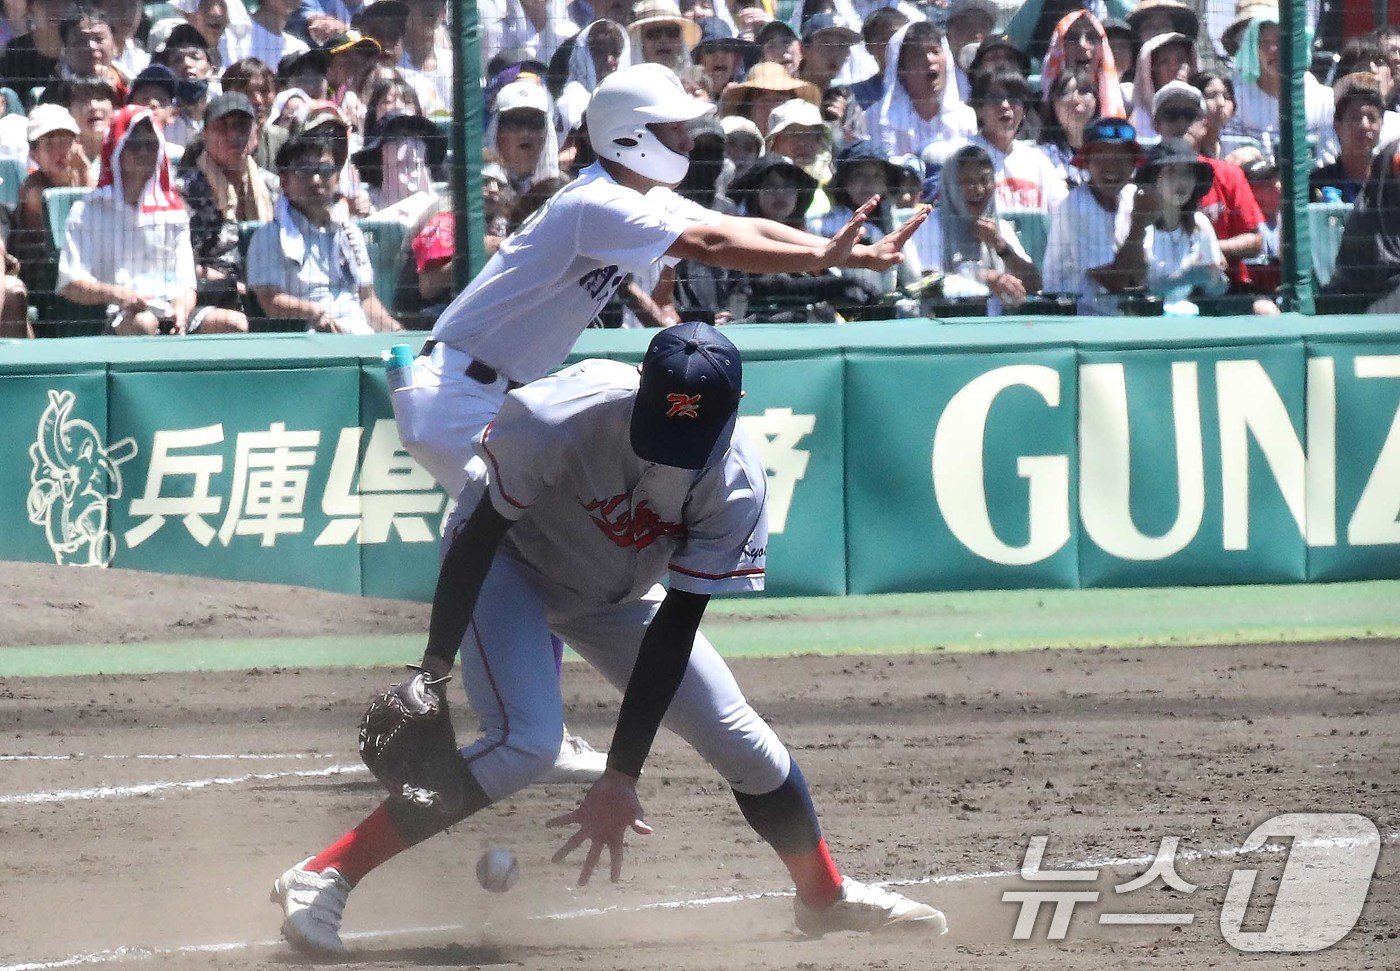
<point x="624" y="104"/>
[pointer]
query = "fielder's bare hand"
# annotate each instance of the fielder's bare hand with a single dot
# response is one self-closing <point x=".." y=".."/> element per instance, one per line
<point x="608" y="810"/>
<point x="889" y="251"/>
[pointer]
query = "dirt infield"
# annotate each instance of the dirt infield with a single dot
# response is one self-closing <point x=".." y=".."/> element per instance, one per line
<point x="933" y="769"/>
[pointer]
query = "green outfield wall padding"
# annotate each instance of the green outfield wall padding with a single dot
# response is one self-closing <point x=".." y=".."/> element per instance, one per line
<point x="902" y="456"/>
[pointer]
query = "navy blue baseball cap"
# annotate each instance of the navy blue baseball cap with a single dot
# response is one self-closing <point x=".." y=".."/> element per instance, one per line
<point x="688" y="399"/>
<point x="1108" y="131"/>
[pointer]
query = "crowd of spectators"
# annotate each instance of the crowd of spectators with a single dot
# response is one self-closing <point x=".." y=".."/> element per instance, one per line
<point x="1100" y="157"/>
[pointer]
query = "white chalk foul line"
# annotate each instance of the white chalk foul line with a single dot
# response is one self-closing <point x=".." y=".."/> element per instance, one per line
<point x="141" y="953"/>
<point x="231" y="757"/>
<point x="148" y="788"/>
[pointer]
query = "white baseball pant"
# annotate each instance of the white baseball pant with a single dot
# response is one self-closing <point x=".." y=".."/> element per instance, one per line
<point x="441" y="411"/>
<point x="511" y="680"/>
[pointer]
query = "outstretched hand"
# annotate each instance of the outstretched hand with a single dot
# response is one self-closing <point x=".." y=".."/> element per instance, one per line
<point x="607" y="811"/>
<point x="838" y="251"/>
<point x="889" y="251"/>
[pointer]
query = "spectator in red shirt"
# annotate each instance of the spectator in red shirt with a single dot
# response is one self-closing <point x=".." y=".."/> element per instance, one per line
<point x="1179" y="111"/>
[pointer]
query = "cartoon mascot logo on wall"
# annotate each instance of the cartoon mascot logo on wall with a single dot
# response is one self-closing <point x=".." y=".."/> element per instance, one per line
<point x="74" y="478"/>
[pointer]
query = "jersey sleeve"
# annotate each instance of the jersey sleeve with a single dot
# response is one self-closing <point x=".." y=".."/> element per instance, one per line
<point x="521" y="455"/>
<point x="726" y="544"/>
<point x="632" y="231"/>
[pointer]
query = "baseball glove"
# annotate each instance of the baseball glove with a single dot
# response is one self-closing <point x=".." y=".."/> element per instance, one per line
<point x="406" y="740"/>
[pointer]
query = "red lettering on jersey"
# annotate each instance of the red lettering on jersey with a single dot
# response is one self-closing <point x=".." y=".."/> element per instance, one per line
<point x="683" y="405"/>
<point x="626" y="527"/>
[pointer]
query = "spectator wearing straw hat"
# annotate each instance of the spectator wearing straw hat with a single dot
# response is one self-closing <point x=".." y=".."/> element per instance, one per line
<point x="660" y="35"/>
<point x="766" y="86"/>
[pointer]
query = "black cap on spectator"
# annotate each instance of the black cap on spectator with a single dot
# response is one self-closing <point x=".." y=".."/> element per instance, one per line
<point x="1177" y="151"/>
<point x="228" y="103"/>
<point x="159" y="75"/>
<point x="822" y="22"/>
<point x="776" y="30"/>
<point x="316" y="60"/>
<point x="401" y="124"/>
<point x="1117" y="25"/>
<point x="1183" y="18"/>
<point x="1000" y="42"/>
<point x="350" y="40"/>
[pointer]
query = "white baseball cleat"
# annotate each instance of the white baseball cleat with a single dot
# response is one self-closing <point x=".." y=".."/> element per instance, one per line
<point x="311" y="906"/>
<point x="577" y="762"/>
<point x="862" y="907"/>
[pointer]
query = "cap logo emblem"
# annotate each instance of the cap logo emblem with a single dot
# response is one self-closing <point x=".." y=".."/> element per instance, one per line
<point x="683" y="405"/>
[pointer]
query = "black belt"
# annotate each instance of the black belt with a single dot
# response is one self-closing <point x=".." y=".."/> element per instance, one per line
<point x="478" y="371"/>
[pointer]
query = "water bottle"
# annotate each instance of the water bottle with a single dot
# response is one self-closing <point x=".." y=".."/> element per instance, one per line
<point x="398" y="367"/>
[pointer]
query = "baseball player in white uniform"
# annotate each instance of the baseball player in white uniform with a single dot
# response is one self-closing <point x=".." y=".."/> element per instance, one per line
<point x="520" y="317"/>
<point x="589" y="487"/>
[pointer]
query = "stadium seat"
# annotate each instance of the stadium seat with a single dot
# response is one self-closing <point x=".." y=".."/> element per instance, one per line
<point x="11" y="178"/>
<point x="58" y="203"/>
<point x="1033" y="227"/>
<point x="385" y="240"/>
<point x="1326" y="220"/>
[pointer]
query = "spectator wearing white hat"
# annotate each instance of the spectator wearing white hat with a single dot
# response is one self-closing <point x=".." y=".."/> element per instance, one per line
<point x="743" y="142"/>
<point x="58" y="162"/>
<point x="796" y="130"/>
<point x="660" y="35"/>
<point x="520" y="135"/>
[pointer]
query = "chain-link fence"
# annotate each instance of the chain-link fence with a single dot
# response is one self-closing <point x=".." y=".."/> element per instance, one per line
<point x="221" y="165"/>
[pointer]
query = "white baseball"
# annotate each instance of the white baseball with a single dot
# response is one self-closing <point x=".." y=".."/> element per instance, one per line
<point x="497" y="870"/>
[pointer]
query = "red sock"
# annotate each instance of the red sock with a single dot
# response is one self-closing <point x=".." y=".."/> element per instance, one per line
<point x="818" y="881"/>
<point x="362" y="849"/>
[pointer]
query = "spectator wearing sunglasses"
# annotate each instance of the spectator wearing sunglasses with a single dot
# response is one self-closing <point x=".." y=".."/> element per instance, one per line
<point x="1025" y="175"/>
<point x="307" y="264"/>
<point x="1081" y="244"/>
<point x="660" y="35"/>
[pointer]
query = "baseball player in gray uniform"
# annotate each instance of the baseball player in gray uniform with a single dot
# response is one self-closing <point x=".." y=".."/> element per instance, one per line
<point x="590" y="486"/>
<point x="519" y="318"/>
